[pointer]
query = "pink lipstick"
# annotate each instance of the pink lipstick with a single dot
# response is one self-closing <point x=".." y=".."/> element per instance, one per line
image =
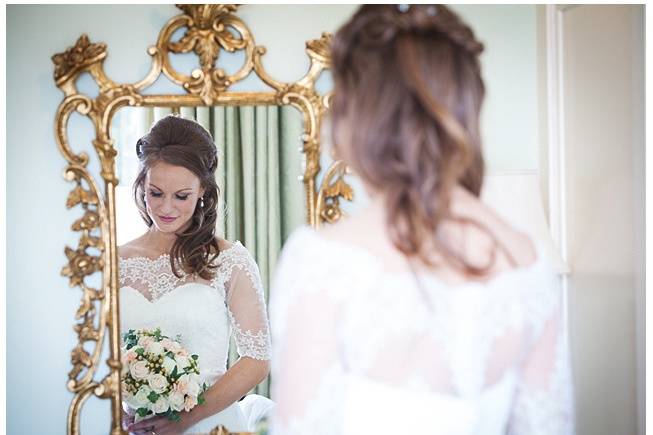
<point x="167" y="219"/>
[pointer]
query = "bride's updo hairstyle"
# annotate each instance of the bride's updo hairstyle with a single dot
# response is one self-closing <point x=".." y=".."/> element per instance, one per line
<point x="407" y="96"/>
<point x="183" y="142"/>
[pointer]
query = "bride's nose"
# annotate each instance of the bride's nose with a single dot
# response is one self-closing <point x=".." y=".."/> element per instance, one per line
<point x="167" y="205"/>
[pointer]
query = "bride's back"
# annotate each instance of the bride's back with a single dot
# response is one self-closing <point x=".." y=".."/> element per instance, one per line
<point x="373" y="345"/>
<point x="370" y="344"/>
<point x="439" y="293"/>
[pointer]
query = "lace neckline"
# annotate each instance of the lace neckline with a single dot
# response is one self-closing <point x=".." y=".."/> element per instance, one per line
<point x="166" y="256"/>
<point x="153" y="277"/>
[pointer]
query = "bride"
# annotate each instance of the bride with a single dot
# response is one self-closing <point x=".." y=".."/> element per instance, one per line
<point x="181" y="278"/>
<point x="425" y="312"/>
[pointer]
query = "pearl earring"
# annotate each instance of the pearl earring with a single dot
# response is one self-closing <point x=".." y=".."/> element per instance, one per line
<point x="403" y="8"/>
<point x="201" y="201"/>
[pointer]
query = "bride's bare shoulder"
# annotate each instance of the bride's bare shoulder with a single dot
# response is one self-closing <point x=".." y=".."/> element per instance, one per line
<point x="224" y="244"/>
<point x="133" y="248"/>
<point x="368" y="228"/>
<point x="517" y="244"/>
<point x="347" y="228"/>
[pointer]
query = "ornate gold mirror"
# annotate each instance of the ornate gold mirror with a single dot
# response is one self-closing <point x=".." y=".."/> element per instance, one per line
<point x="121" y="112"/>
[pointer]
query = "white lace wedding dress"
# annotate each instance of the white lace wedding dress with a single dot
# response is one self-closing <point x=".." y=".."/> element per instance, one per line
<point x="360" y="349"/>
<point x="204" y="314"/>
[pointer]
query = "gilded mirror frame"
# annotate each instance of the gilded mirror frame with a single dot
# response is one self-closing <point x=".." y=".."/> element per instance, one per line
<point x="207" y="34"/>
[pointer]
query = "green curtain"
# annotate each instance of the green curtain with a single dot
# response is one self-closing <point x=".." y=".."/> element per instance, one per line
<point x="259" y="169"/>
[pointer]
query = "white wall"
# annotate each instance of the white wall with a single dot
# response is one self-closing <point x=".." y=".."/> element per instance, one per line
<point x="509" y="66"/>
<point x="602" y="60"/>
<point x="638" y="93"/>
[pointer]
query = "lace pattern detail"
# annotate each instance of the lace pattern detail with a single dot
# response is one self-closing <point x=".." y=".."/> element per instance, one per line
<point x="238" y="257"/>
<point x="243" y="295"/>
<point x="254" y="344"/>
<point x="155" y="275"/>
<point x="251" y="342"/>
<point x="548" y="410"/>
<point x="324" y="412"/>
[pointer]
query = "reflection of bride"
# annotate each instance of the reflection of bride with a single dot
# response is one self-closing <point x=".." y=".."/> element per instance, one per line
<point x="180" y="277"/>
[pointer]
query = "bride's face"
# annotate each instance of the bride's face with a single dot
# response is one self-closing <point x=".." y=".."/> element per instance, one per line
<point x="171" y="195"/>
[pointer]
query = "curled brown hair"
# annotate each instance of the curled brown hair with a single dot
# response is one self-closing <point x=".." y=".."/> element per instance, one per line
<point x="183" y="142"/>
<point x="407" y="98"/>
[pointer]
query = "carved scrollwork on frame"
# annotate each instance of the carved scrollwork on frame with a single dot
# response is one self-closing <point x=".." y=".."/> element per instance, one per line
<point x="332" y="189"/>
<point x="81" y="264"/>
<point x="210" y="30"/>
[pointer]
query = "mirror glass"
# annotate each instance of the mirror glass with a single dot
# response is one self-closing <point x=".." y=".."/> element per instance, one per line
<point x="261" y="201"/>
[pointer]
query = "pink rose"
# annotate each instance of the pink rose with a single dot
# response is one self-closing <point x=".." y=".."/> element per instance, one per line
<point x="131" y="355"/>
<point x="189" y="403"/>
<point x="182" y="384"/>
<point x="145" y="340"/>
<point x="167" y="343"/>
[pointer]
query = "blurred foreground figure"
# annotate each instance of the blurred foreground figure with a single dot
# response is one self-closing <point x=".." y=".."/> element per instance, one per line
<point x="425" y="312"/>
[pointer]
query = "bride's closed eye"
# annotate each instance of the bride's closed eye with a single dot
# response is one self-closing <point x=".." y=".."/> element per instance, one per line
<point x="154" y="194"/>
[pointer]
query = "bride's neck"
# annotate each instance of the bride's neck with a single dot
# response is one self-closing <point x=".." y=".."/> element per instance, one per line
<point x="160" y="241"/>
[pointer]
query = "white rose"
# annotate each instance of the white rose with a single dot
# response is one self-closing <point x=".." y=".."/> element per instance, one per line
<point x="182" y="361"/>
<point x="157" y="382"/>
<point x="155" y="348"/>
<point x="190" y="403"/>
<point x="193" y="387"/>
<point x="176" y="401"/>
<point x="194" y="377"/>
<point x="139" y="370"/>
<point x="160" y="406"/>
<point x="169" y="364"/>
<point x="140" y="399"/>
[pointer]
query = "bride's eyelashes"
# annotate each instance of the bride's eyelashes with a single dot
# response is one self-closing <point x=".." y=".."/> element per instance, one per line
<point x="154" y="194"/>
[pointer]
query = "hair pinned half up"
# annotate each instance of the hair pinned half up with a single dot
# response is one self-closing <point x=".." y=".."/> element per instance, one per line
<point x="183" y="142"/>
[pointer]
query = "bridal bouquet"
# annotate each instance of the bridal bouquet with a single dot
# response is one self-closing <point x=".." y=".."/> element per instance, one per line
<point x="159" y="377"/>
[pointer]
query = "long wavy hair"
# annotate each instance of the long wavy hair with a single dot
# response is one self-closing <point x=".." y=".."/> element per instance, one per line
<point x="183" y="142"/>
<point x="407" y="98"/>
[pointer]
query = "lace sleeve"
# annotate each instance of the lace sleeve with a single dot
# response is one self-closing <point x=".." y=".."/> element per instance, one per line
<point x="246" y="305"/>
<point x="544" y="398"/>
<point x="307" y="373"/>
